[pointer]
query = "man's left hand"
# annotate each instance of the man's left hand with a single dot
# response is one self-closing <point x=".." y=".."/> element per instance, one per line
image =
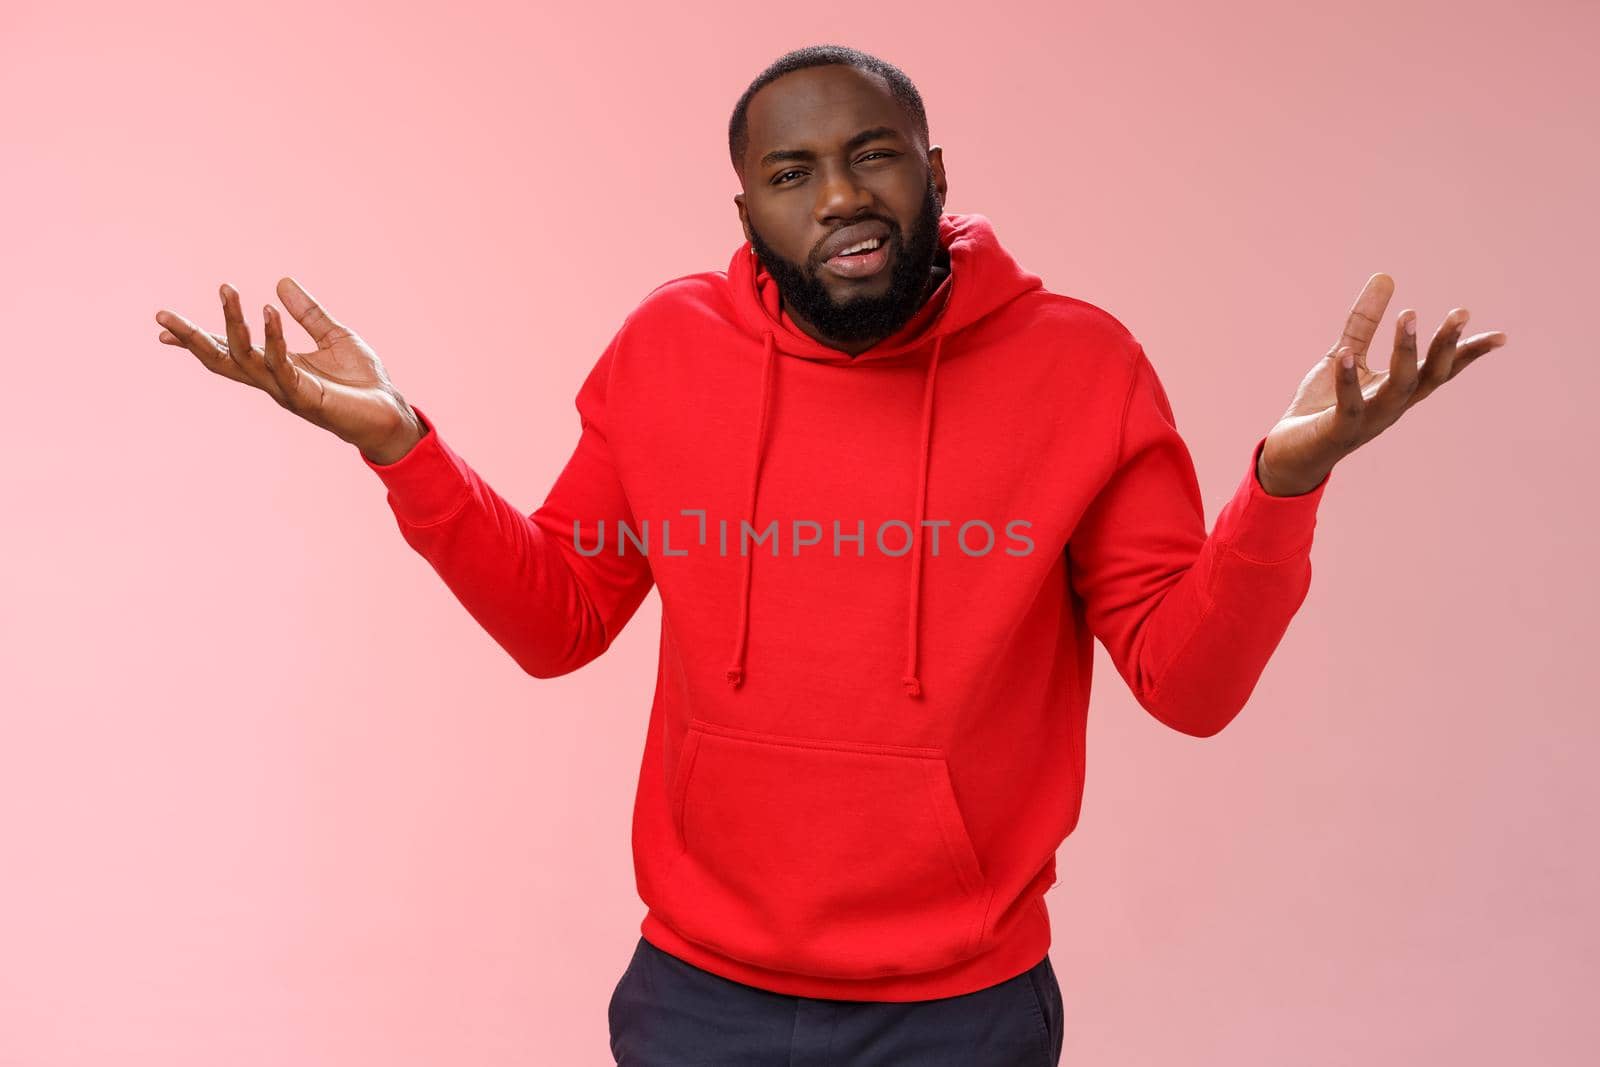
<point x="1339" y="408"/>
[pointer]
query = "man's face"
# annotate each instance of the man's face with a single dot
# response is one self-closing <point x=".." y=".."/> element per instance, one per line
<point x="805" y="181"/>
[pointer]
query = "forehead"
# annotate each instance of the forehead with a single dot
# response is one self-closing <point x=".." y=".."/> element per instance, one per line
<point x="818" y="108"/>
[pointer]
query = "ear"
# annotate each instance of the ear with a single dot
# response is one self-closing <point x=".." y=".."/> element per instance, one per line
<point x="936" y="166"/>
<point x="744" y="214"/>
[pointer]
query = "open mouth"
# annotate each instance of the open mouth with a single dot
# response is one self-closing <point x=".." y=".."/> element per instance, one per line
<point x="862" y="263"/>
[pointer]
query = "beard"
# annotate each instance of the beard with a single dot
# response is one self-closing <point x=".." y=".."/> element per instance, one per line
<point x="862" y="318"/>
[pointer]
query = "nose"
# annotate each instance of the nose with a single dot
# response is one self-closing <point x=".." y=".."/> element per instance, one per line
<point x="840" y="195"/>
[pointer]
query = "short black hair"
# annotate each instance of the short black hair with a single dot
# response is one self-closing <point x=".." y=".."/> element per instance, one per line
<point x="822" y="55"/>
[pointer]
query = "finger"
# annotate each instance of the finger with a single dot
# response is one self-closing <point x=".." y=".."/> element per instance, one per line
<point x="234" y="326"/>
<point x="1365" y="314"/>
<point x="276" y="358"/>
<point x="1481" y="342"/>
<point x="1441" y="354"/>
<point x="220" y="341"/>
<point x="1350" y="407"/>
<point x="1401" y="382"/>
<point x="244" y="354"/>
<point x="1474" y="347"/>
<point x="205" y="347"/>
<point x="323" y="327"/>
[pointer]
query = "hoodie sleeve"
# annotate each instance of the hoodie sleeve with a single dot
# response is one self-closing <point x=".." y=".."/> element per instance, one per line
<point x="521" y="576"/>
<point x="1190" y="620"/>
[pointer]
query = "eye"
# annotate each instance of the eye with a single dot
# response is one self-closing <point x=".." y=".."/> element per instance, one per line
<point x="778" y="178"/>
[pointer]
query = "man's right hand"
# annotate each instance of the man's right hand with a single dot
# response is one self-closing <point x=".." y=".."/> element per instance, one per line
<point x="341" y="386"/>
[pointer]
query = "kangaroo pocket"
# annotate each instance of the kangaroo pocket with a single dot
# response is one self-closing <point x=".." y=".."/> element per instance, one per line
<point x="830" y="858"/>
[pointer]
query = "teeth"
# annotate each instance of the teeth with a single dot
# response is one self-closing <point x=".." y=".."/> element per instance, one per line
<point x="871" y="242"/>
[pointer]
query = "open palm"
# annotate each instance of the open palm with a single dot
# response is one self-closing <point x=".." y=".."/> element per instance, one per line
<point x="340" y="385"/>
<point x="1337" y="409"/>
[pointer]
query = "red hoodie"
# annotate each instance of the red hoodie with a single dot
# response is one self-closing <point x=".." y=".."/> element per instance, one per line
<point x="880" y="578"/>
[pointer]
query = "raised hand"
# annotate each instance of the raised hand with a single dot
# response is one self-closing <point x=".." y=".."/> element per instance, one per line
<point x="341" y="386"/>
<point x="1342" y="403"/>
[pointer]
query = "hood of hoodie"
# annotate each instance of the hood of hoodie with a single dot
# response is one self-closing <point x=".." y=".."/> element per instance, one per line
<point x="983" y="278"/>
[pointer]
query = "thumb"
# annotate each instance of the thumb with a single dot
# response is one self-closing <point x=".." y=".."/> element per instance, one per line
<point x="322" y="327"/>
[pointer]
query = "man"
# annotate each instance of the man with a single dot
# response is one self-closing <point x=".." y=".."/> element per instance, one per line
<point x="889" y="488"/>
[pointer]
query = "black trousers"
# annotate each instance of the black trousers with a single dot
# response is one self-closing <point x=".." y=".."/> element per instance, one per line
<point x="666" y="1012"/>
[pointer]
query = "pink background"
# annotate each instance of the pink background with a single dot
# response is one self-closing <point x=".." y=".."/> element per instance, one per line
<point x="267" y="794"/>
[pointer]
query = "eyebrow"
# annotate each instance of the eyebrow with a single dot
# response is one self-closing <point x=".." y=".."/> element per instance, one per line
<point x="778" y="155"/>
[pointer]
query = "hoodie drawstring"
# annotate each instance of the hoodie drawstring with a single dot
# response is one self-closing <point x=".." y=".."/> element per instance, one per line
<point x="736" y="669"/>
<point x="911" y="680"/>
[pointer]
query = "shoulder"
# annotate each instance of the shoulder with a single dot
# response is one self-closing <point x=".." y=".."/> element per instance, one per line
<point x="1080" y="348"/>
<point x="676" y="300"/>
<point x="668" y="334"/>
<point x="1081" y="328"/>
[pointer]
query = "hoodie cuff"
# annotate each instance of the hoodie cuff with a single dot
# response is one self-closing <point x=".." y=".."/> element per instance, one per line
<point x="1269" y="529"/>
<point x="426" y="484"/>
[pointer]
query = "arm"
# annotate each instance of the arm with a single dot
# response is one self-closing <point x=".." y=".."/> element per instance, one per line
<point x="520" y="576"/>
<point x="1190" y="620"/>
